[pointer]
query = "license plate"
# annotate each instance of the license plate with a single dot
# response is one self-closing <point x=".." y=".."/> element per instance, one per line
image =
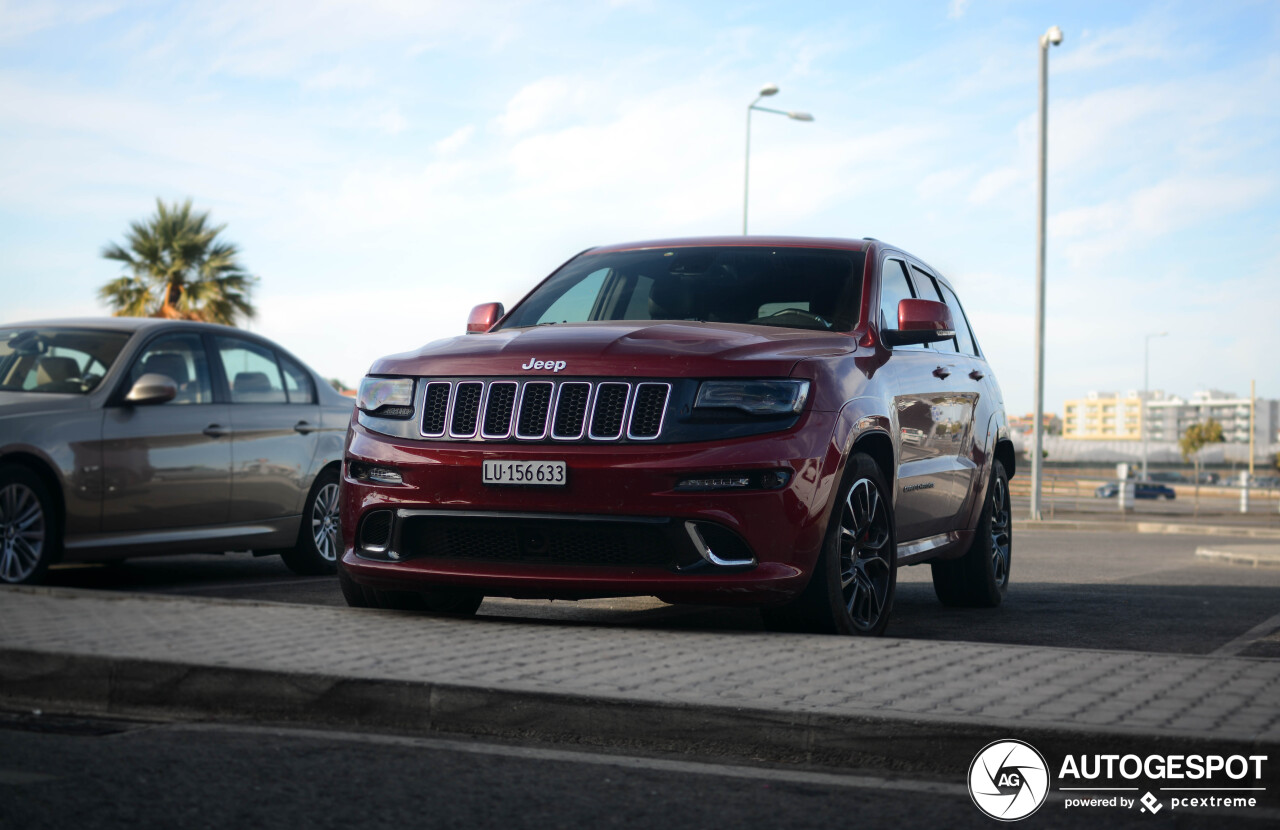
<point x="553" y="473"/>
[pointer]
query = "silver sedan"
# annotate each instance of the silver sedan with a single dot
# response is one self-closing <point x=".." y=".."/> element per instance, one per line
<point x="123" y="437"/>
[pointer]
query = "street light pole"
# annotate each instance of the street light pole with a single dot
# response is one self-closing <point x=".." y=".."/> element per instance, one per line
<point x="765" y="91"/>
<point x="1146" y="394"/>
<point x="1052" y="37"/>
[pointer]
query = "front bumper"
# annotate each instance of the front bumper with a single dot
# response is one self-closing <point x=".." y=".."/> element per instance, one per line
<point x="617" y="527"/>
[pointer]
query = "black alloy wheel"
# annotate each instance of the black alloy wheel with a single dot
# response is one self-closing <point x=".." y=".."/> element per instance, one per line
<point x="866" y="561"/>
<point x="980" y="577"/>
<point x="854" y="581"/>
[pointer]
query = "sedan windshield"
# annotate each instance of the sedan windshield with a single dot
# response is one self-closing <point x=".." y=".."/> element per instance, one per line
<point x="804" y="288"/>
<point x="57" y="360"/>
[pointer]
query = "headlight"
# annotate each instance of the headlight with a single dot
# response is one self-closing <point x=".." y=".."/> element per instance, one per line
<point x="386" y="397"/>
<point x="754" y="397"/>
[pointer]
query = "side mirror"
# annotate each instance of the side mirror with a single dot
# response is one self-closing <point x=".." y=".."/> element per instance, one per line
<point x="920" y="321"/>
<point x="483" y="317"/>
<point x="152" y="388"/>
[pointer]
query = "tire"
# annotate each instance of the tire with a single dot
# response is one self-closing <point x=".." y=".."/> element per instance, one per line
<point x="30" y="536"/>
<point x="320" y="535"/>
<point x="852" y="587"/>
<point x="445" y="602"/>
<point x="980" y="578"/>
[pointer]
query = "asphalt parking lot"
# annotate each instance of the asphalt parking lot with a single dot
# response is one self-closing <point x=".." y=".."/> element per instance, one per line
<point x="1073" y="589"/>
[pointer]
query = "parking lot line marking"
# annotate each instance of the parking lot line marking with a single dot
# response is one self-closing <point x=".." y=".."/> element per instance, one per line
<point x="830" y="779"/>
<point x="1248" y="638"/>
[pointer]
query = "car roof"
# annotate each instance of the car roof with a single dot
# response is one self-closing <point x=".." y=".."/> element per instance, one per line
<point x="130" y="324"/>
<point x="739" y="242"/>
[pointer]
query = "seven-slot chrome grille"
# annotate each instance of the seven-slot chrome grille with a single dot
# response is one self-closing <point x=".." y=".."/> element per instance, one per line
<point x="544" y="410"/>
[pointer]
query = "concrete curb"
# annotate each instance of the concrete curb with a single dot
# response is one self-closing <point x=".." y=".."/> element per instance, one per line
<point x="1267" y="556"/>
<point x="125" y="687"/>
<point x="1183" y="528"/>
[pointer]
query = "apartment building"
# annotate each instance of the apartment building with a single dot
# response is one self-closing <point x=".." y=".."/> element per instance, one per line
<point x="1103" y="416"/>
<point x="1169" y="416"/>
<point x="1107" y="416"/>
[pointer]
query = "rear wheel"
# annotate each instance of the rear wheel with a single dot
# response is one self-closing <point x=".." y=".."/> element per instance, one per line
<point x="980" y="577"/>
<point x="852" y="587"/>
<point x="29" y="533"/>
<point x="320" y="536"/>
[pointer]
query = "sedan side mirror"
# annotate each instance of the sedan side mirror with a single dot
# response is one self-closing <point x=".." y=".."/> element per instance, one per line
<point x="920" y="321"/>
<point x="483" y="317"/>
<point x="152" y="388"/>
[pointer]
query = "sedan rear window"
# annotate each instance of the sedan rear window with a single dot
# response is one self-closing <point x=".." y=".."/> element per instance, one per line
<point x="804" y="288"/>
<point x="57" y="360"/>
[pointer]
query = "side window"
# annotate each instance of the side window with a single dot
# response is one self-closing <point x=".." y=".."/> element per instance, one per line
<point x="964" y="334"/>
<point x="574" y="305"/>
<point x="927" y="288"/>
<point x="180" y="357"/>
<point x="252" y="372"/>
<point x="893" y="289"/>
<point x="297" y="382"/>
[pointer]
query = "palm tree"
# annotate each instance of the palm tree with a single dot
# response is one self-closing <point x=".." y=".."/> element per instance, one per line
<point x="178" y="268"/>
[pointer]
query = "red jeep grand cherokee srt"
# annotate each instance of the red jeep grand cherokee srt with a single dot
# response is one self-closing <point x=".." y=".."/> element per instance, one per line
<point x="741" y="420"/>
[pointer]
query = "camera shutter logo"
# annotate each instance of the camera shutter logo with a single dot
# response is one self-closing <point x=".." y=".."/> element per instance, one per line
<point x="1008" y="780"/>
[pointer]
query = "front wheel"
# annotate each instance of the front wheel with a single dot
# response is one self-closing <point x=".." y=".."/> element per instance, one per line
<point x="980" y="577"/>
<point x="28" y="526"/>
<point x="852" y="587"/>
<point x="320" y="536"/>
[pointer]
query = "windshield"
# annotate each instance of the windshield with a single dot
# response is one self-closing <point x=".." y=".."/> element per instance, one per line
<point x="68" y="361"/>
<point x="803" y="288"/>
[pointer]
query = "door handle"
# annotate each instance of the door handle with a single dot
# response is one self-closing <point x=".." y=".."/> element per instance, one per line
<point x="304" y="428"/>
<point x="216" y="431"/>
<point x="976" y="375"/>
<point x="941" y="373"/>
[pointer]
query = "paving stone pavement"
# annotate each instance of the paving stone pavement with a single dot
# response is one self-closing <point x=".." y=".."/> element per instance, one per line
<point x="1226" y="698"/>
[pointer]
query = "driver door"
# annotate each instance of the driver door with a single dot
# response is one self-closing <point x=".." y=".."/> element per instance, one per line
<point x="167" y="465"/>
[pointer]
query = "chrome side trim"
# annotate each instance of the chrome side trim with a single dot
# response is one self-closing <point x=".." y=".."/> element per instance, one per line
<point x="171" y="536"/>
<point x="706" y="553"/>
<point x="913" y="552"/>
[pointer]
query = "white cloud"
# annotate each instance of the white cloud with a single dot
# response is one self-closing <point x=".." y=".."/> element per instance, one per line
<point x="535" y="104"/>
<point x="455" y="140"/>
<point x="996" y="184"/>
<point x="22" y="19"/>
<point x="391" y="121"/>
<point x="1153" y="38"/>
<point x="1128" y="223"/>
<point x="957" y="8"/>
<point x="341" y="76"/>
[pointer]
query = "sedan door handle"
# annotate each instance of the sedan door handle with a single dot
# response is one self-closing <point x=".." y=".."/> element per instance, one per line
<point x="976" y="375"/>
<point x="941" y="373"/>
<point x="216" y="431"/>
<point x="304" y="428"/>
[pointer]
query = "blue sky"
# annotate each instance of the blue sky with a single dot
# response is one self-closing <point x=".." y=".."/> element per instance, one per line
<point x="387" y="164"/>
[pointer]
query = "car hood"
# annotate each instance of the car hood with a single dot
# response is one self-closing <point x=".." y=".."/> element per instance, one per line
<point x="666" y="349"/>
<point x="14" y="404"/>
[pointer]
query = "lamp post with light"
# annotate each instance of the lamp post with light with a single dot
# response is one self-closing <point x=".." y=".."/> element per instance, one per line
<point x="1050" y="38"/>
<point x="1146" y="393"/>
<point x="766" y="91"/>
